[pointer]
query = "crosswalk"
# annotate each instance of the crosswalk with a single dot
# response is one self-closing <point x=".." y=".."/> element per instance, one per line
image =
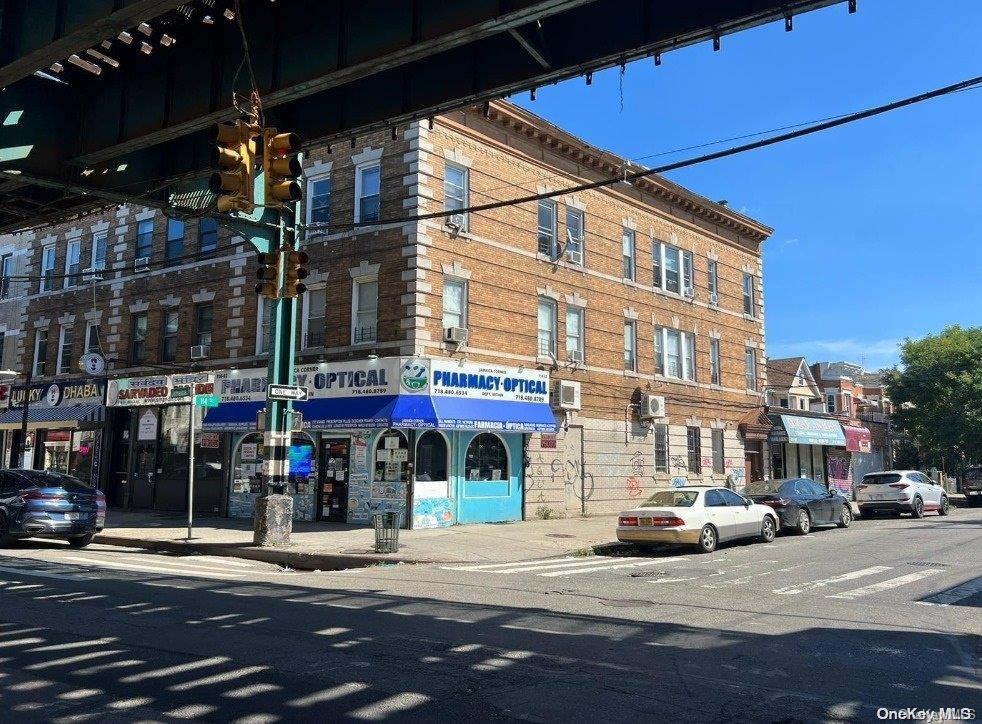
<point x="563" y="567"/>
<point x="94" y="564"/>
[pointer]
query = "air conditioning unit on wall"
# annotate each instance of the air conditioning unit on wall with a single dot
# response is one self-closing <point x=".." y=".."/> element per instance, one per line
<point x="199" y="351"/>
<point x="652" y="407"/>
<point x="566" y="395"/>
<point x="455" y="335"/>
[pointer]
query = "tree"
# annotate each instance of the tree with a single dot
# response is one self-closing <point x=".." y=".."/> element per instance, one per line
<point x="937" y="396"/>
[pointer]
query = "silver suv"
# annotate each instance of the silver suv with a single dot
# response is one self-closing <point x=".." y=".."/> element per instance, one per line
<point x="901" y="491"/>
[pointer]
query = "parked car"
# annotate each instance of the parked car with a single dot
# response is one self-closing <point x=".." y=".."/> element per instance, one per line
<point x="801" y="503"/>
<point x="972" y="485"/>
<point x="700" y="516"/>
<point x="50" y="505"/>
<point x="901" y="491"/>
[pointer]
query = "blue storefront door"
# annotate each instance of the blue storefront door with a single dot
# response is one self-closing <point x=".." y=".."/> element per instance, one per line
<point x="488" y="477"/>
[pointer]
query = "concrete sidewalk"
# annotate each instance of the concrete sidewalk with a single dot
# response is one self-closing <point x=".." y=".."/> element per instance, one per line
<point x="335" y="546"/>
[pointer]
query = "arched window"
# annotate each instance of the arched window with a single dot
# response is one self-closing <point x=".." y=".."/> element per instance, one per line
<point x="487" y="458"/>
<point x="391" y="457"/>
<point x="431" y="457"/>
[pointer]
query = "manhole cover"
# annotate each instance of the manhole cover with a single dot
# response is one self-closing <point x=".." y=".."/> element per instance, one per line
<point x="559" y="535"/>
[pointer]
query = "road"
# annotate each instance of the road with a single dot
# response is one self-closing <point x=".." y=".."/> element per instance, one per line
<point x="830" y="626"/>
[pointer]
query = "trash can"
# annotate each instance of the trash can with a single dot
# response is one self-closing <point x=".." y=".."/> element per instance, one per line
<point x="387" y="532"/>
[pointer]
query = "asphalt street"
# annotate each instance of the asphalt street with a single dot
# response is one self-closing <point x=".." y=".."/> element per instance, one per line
<point x="831" y="626"/>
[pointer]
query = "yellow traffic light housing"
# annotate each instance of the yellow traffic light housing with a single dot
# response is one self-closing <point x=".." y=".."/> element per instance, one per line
<point x="281" y="167"/>
<point x="268" y="274"/>
<point x="294" y="272"/>
<point x="235" y="157"/>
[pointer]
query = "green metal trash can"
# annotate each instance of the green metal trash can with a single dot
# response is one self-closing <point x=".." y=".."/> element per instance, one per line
<point x="387" y="531"/>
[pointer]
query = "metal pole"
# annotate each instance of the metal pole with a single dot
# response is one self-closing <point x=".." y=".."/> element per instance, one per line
<point x="191" y="466"/>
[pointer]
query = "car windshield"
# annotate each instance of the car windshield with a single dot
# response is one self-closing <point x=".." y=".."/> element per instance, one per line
<point x="46" y="479"/>
<point x="673" y="498"/>
<point x="881" y="479"/>
<point x="763" y="487"/>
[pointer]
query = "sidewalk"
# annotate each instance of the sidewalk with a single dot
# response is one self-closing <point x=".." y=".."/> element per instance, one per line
<point x="335" y="546"/>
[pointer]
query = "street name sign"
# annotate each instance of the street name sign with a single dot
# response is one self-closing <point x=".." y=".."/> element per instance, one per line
<point x="207" y="400"/>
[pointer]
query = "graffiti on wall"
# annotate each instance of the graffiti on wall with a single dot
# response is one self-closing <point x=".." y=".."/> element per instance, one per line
<point x="633" y="486"/>
<point x="433" y="513"/>
<point x="568" y="474"/>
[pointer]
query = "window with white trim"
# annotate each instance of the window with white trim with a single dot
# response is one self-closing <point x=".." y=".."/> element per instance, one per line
<point x="455" y="193"/>
<point x="92" y="343"/>
<point x="73" y="263"/>
<point x="368" y="187"/>
<point x="547" y="228"/>
<point x="847" y="403"/>
<point x="749" y="297"/>
<point x="574" y="333"/>
<point x="628" y="253"/>
<point x="454" y="303"/>
<point x="631" y="345"/>
<point x="40" y="352"/>
<point x="575" y="235"/>
<point x="319" y="193"/>
<point x="100" y="247"/>
<point x="713" y="282"/>
<point x="673" y="270"/>
<point x="66" y="349"/>
<point x="675" y="353"/>
<point x="364" y="311"/>
<point x="751" y="358"/>
<point x="547" y="327"/>
<point x="48" y="268"/>
<point x="830" y="402"/>
<point x="7" y="271"/>
<point x="715" y="368"/>
<point x="315" y="318"/>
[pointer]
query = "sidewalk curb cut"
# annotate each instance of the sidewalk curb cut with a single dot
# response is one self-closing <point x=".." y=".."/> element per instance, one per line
<point x="298" y="560"/>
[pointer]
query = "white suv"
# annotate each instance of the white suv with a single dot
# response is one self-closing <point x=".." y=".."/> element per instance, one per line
<point x="901" y="491"/>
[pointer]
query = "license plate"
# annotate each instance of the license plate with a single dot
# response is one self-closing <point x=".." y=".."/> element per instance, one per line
<point x="73" y="516"/>
<point x="644" y="521"/>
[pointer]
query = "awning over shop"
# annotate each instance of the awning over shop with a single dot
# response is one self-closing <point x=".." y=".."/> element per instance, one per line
<point x="857" y="439"/>
<point x="463" y="413"/>
<point x="52" y="417"/>
<point x="802" y="430"/>
<point x="755" y="425"/>
<point x="232" y="417"/>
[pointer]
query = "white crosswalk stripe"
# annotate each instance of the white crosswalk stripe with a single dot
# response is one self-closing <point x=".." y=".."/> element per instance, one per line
<point x="954" y="595"/>
<point x="823" y="582"/>
<point x="886" y="585"/>
<point x="159" y="566"/>
<point x="569" y="566"/>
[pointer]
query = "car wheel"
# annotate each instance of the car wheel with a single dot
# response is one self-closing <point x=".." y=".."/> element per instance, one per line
<point x="917" y="508"/>
<point x="945" y="506"/>
<point x="845" y="517"/>
<point x="707" y="539"/>
<point x="804" y="523"/>
<point x="80" y="541"/>
<point x="768" y="530"/>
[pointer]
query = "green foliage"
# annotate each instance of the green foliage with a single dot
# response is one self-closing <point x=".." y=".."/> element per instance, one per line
<point x="937" y="396"/>
<point x="544" y="512"/>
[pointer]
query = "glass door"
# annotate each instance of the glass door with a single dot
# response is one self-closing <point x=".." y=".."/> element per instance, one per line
<point x="333" y="494"/>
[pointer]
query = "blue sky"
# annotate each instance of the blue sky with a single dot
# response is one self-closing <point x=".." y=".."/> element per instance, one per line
<point x="878" y="225"/>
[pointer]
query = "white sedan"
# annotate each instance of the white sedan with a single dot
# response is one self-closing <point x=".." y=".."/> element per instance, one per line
<point x="700" y="516"/>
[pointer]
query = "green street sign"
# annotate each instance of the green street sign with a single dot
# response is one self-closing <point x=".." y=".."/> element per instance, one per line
<point x="207" y="400"/>
<point x="179" y="392"/>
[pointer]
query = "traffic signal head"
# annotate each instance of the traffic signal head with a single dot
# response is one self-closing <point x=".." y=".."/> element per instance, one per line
<point x="268" y="275"/>
<point x="294" y="272"/>
<point x="234" y="155"/>
<point x="281" y="167"/>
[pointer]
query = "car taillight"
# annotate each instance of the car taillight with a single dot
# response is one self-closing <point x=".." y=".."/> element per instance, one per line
<point x="627" y="520"/>
<point x="779" y="503"/>
<point x="671" y="522"/>
<point x="899" y="486"/>
<point x="39" y="495"/>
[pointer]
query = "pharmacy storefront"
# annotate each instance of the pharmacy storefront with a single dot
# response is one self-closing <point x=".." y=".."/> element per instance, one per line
<point x="440" y="439"/>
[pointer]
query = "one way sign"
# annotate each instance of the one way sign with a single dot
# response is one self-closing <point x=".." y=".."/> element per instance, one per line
<point x="286" y="392"/>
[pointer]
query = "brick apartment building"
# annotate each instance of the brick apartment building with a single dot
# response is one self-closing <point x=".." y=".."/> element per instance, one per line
<point x="642" y="305"/>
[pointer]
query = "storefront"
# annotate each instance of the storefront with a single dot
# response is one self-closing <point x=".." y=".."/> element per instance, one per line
<point x="440" y="438"/>
<point x="800" y="445"/>
<point x="65" y="422"/>
<point x="847" y="465"/>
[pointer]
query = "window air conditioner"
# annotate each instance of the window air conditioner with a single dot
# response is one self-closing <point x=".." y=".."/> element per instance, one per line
<point x="455" y="335"/>
<point x="200" y="351"/>
<point x="575" y="355"/>
<point x="566" y="395"/>
<point x="142" y="261"/>
<point x="652" y="407"/>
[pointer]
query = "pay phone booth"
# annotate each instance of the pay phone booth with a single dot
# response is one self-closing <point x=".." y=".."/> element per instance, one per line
<point x="333" y="494"/>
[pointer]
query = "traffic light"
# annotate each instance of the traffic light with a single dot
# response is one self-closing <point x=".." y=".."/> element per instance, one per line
<point x="281" y="167"/>
<point x="268" y="274"/>
<point x="235" y="157"/>
<point x="295" y="272"/>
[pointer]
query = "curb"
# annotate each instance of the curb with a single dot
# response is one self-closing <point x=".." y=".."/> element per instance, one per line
<point x="295" y="559"/>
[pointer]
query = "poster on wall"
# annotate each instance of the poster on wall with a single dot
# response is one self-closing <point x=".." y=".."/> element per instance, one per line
<point x="249" y="450"/>
<point x="147" y="425"/>
<point x="838" y="464"/>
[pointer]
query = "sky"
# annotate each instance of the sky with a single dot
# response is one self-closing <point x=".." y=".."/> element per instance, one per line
<point x="878" y="224"/>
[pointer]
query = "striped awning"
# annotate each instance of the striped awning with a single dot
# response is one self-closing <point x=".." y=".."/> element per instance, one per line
<point x="68" y="416"/>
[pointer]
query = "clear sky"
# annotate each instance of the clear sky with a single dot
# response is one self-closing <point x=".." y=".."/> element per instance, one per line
<point x="878" y="225"/>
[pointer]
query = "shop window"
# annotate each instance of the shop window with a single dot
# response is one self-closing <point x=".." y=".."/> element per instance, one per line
<point x="247" y="465"/>
<point x="391" y="457"/>
<point x="56" y="445"/>
<point x="431" y="457"/>
<point x="82" y="452"/>
<point x="487" y="458"/>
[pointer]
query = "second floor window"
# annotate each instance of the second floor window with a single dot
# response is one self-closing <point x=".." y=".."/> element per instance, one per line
<point x="677" y="353"/>
<point x="369" y="183"/>
<point x="40" y="352"/>
<point x="100" y="246"/>
<point x="66" y="350"/>
<point x="92" y="343"/>
<point x="749" y="300"/>
<point x="168" y="336"/>
<point x="751" y="357"/>
<point x="715" y="368"/>
<point x="174" y="249"/>
<point x="138" y="340"/>
<point x="455" y="184"/>
<point x="628" y="253"/>
<point x="454" y="303"/>
<point x="320" y="200"/>
<point x="631" y="345"/>
<point x="364" y="305"/>
<point x="73" y="263"/>
<point x="547" y="328"/>
<point x="315" y="314"/>
<point x="574" y="333"/>
<point x="7" y="271"/>
<point x="144" y="239"/>
<point x="574" y="235"/>
<point x="203" y="323"/>
<point x="693" y="437"/>
<point x="830" y="402"/>
<point x="547" y="228"/>
<point x="207" y="235"/>
<point x="713" y="281"/>
<point x="47" y="269"/>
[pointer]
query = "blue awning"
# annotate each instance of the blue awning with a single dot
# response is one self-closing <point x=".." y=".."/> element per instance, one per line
<point x="812" y="431"/>
<point x="369" y="412"/>
<point x="53" y="417"/>
<point x="463" y="413"/>
<point x="232" y="417"/>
